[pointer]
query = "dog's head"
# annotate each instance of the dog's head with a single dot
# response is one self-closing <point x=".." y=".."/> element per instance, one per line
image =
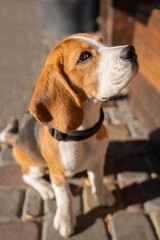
<point x="79" y="68"/>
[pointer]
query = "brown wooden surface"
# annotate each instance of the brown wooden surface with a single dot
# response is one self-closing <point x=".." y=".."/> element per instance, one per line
<point x="116" y="25"/>
<point x="123" y="28"/>
<point x="145" y="90"/>
<point x="123" y="20"/>
<point x="106" y="21"/>
<point x="147" y="43"/>
<point x="117" y="18"/>
<point x="156" y="13"/>
<point x="149" y="63"/>
<point x="145" y="102"/>
<point x="149" y="34"/>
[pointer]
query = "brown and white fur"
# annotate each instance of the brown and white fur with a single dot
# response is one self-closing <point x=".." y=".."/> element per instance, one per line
<point x="68" y="96"/>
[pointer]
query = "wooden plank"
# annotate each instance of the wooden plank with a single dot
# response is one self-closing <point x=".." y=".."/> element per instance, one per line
<point x="156" y="13"/>
<point x="107" y="21"/>
<point x="123" y="28"/>
<point x="148" y="9"/>
<point x="149" y="35"/>
<point x="119" y="15"/>
<point x="145" y="102"/>
<point x="102" y="19"/>
<point x="148" y="95"/>
<point x="123" y="20"/>
<point x="154" y="22"/>
<point x="130" y="6"/>
<point x="148" y="15"/>
<point x="148" y="21"/>
<point x="123" y="37"/>
<point x="110" y="22"/>
<point x="145" y="89"/>
<point x="149" y="63"/>
<point x="141" y="113"/>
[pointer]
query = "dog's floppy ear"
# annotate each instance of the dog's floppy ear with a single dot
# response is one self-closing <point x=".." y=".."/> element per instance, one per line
<point x="54" y="103"/>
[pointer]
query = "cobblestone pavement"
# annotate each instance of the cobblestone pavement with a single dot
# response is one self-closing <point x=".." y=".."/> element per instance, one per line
<point x="132" y="169"/>
<point x="131" y="173"/>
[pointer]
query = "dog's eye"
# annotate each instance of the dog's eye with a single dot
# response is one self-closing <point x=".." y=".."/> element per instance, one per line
<point x="84" y="56"/>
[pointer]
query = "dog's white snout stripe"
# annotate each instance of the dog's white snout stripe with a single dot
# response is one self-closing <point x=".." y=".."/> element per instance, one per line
<point x="91" y="41"/>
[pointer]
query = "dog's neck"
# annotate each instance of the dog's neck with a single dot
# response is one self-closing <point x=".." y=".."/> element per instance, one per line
<point x="91" y="114"/>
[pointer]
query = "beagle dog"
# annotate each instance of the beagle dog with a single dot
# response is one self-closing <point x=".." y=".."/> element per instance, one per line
<point x="79" y="74"/>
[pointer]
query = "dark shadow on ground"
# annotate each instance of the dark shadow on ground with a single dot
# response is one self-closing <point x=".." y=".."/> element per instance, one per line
<point x="131" y="156"/>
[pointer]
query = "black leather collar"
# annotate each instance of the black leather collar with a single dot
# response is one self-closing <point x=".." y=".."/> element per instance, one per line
<point x="78" y="135"/>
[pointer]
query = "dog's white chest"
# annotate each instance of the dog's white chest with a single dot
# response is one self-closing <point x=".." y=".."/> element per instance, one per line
<point x="79" y="156"/>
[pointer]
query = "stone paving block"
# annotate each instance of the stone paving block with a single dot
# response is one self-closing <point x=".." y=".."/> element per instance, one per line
<point x="152" y="205"/>
<point x="155" y="217"/>
<point x="89" y="200"/>
<point x="117" y="132"/>
<point x="109" y="168"/>
<point x="120" y="116"/>
<point x="49" y="208"/>
<point x="131" y="164"/>
<point x="136" y="130"/>
<point x="110" y="182"/>
<point x="130" y="192"/>
<point x="115" y="149"/>
<point x="20" y="231"/>
<point x="106" y="117"/>
<point x="90" y="228"/>
<point x="131" y="177"/>
<point x="122" y="104"/>
<point x="6" y="156"/>
<point x="153" y="163"/>
<point x="132" y="198"/>
<point x="11" y="201"/>
<point x="48" y="231"/>
<point x="136" y="148"/>
<point x="87" y="228"/>
<point x="135" y="208"/>
<point x="33" y="204"/>
<point x="150" y="190"/>
<point x="131" y="226"/>
<point x="11" y="176"/>
<point x="91" y="205"/>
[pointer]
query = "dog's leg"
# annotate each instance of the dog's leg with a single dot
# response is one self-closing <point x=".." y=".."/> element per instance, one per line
<point x="64" y="220"/>
<point x="104" y="196"/>
<point x="35" y="180"/>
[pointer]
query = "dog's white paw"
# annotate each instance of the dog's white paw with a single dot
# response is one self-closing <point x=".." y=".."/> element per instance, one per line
<point x="64" y="223"/>
<point x="47" y="193"/>
<point x="43" y="187"/>
<point x="46" y="190"/>
<point x="106" y="198"/>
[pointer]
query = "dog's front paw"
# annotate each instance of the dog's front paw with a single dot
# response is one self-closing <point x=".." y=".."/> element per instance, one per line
<point x="45" y="189"/>
<point x="64" y="223"/>
<point x="106" y="198"/>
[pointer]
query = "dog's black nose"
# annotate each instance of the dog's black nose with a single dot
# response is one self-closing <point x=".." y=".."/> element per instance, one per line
<point x="128" y="53"/>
